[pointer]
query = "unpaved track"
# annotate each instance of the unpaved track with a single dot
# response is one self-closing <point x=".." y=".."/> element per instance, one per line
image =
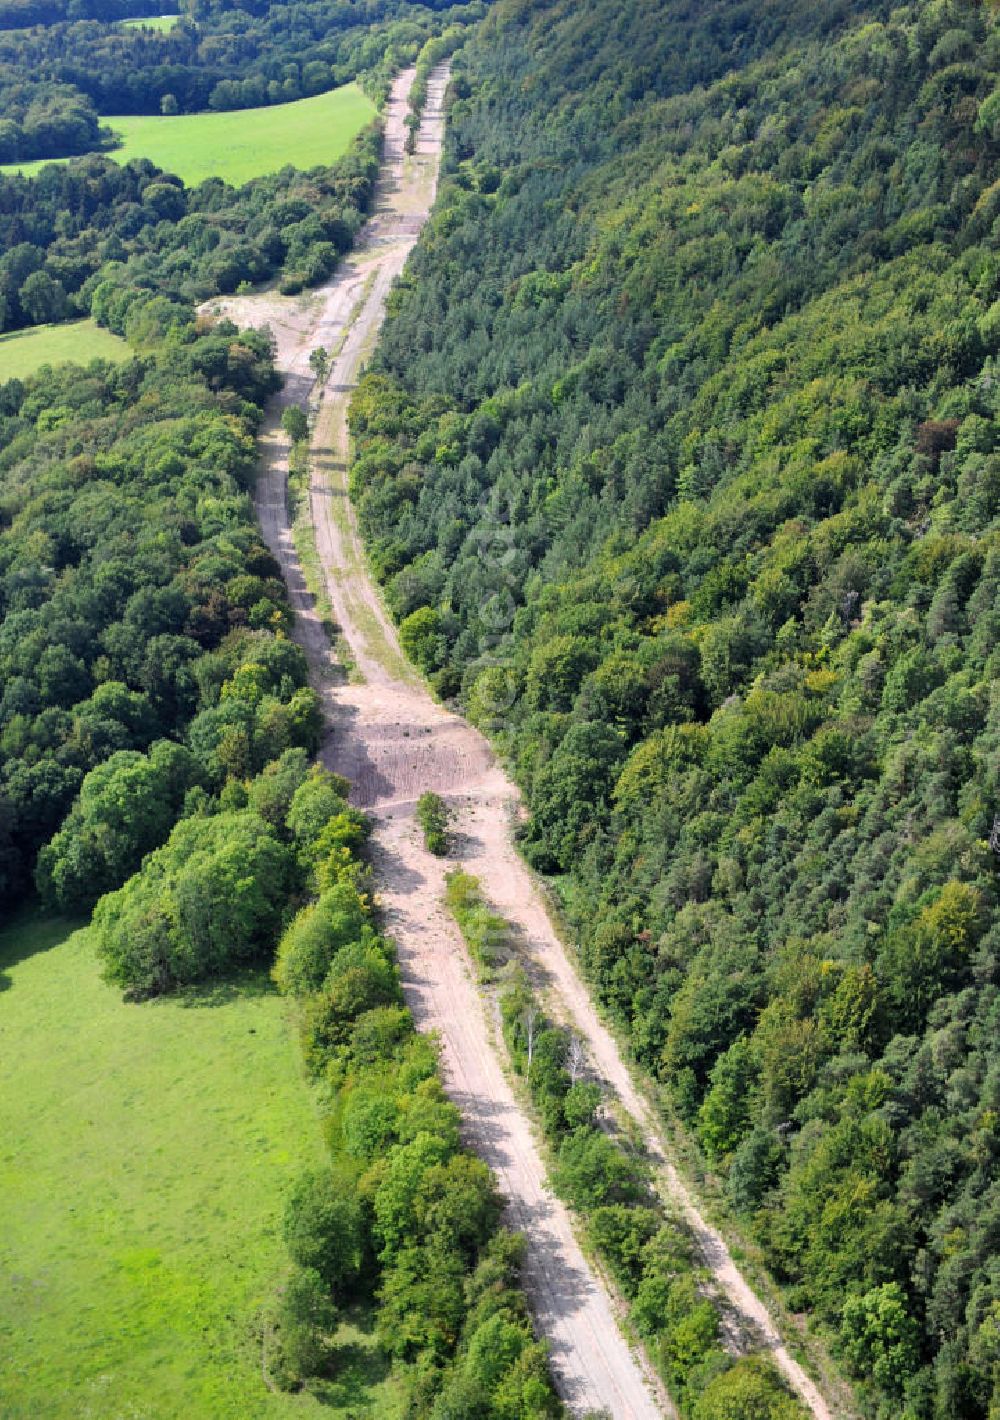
<point x="393" y="742"/>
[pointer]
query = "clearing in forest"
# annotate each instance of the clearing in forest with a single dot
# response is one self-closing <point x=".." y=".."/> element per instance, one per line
<point x="22" y="352"/>
<point x="162" y="23"/>
<point x="240" y="144"/>
<point x="147" y="1151"/>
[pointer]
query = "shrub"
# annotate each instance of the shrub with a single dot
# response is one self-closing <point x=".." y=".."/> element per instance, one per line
<point x="336" y="919"/>
<point x="622" y="1236"/>
<point x="433" y="816"/>
<point x="592" y="1171"/>
<point x="209" y="900"/>
<point x="295" y="423"/>
<point x="304" y="1319"/>
<point x="748" y="1390"/>
<point x="324" y="1230"/>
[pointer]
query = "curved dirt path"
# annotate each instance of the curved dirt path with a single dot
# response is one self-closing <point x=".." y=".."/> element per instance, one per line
<point x="393" y="741"/>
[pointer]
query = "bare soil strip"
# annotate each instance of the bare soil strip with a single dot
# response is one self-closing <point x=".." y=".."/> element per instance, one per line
<point x="393" y="741"/>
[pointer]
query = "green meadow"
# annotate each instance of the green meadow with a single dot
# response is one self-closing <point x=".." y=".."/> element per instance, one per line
<point x="241" y="144"/>
<point x="24" y="351"/>
<point x="145" y="1155"/>
<point x="163" y="23"/>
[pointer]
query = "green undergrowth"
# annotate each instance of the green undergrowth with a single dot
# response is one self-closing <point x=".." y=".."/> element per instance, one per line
<point x="486" y="933"/>
<point x="304" y="540"/>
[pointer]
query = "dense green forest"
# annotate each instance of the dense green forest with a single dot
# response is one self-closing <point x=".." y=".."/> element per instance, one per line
<point x="56" y="78"/>
<point x="679" y="464"/>
<point x="135" y="590"/>
<point x="134" y="586"/>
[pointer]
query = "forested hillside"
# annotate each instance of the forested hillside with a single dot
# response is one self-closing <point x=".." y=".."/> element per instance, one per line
<point x="679" y="464"/>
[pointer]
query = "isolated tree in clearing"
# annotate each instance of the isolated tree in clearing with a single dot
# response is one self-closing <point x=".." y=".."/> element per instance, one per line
<point x="319" y="363"/>
<point x="295" y="423"/>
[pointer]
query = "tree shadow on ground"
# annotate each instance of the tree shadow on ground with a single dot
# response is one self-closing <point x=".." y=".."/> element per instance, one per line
<point x="357" y="1366"/>
<point x="247" y="985"/>
<point x="27" y="932"/>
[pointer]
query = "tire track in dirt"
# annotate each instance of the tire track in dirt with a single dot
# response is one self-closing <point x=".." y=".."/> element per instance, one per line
<point x="393" y="741"/>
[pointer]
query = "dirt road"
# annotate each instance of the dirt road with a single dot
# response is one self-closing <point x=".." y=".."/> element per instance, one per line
<point x="393" y="741"/>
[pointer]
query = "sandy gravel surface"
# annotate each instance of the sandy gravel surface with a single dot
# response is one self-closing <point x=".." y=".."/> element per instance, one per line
<point x="393" y="741"/>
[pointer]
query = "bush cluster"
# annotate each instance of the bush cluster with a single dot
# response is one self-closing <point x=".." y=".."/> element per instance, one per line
<point x="486" y="933"/>
<point x="433" y="817"/>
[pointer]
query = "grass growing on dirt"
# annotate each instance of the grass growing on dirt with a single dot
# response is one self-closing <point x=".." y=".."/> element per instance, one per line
<point x="487" y="935"/>
<point x="145" y="1155"/>
<point x="338" y="669"/>
<point x="351" y="570"/>
<point x="24" y="351"/>
<point x="243" y="144"/>
<point x="163" y="24"/>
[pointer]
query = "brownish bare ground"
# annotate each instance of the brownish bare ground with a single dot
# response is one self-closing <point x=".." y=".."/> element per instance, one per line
<point x="393" y="741"/>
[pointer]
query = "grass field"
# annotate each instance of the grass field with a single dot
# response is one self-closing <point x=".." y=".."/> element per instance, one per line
<point x="145" y="1153"/>
<point x="242" y="144"/>
<point x="24" y="351"/>
<point x="163" y="23"/>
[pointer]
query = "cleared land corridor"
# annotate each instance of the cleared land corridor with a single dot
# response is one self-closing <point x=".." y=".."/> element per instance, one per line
<point x="393" y="741"/>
